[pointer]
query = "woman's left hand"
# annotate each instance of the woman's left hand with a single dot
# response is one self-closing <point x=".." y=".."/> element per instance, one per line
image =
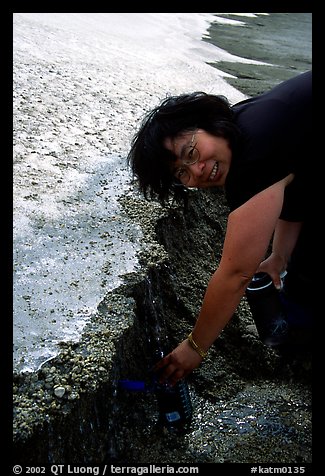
<point x="178" y="363"/>
<point x="274" y="265"/>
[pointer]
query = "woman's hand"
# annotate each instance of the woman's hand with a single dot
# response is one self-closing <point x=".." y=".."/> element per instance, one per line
<point x="178" y="363"/>
<point x="274" y="265"/>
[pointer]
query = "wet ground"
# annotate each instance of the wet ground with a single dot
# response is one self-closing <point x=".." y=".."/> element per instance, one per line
<point x="282" y="41"/>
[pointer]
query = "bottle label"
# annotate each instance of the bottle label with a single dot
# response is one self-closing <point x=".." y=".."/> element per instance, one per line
<point x="173" y="416"/>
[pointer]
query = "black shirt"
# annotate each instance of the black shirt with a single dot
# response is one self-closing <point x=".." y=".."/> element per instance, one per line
<point x="276" y="140"/>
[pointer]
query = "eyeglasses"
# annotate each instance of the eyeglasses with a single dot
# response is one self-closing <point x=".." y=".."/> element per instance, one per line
<point x="189" y="156"/>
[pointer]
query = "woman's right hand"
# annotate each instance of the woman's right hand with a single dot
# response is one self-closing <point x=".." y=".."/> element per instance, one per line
<point x="178" y="363"/>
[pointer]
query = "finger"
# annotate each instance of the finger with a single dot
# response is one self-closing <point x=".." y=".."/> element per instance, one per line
<point x="162" y="363"/>
<point x="176" y="377"/>
<point x="166" y="374"/>
<point x="277" y="281"/>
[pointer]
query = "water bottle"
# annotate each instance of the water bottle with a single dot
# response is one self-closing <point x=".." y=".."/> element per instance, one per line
<point x="267" y="309"/>
<point x="174" y="402"/>
<point x="174" y="405"/>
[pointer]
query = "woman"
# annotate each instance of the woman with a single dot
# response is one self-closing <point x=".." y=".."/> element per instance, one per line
<point x="257" y="151"/>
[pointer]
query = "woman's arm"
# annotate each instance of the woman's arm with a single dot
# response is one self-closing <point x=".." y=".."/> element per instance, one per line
<point x="249" y="231"/>
<point x="284" y="240"/>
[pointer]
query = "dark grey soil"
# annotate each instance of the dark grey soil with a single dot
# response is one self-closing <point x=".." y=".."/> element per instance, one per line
<point x="251" y="403"/>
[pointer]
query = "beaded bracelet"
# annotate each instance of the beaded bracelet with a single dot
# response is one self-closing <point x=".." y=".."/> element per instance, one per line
<point x="194" y="346"/>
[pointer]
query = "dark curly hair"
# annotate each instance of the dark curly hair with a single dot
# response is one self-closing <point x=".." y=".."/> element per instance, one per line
<point x="148" y="158"/>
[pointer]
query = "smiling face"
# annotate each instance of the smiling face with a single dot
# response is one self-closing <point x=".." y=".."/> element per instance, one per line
<point x="203" y="160"/>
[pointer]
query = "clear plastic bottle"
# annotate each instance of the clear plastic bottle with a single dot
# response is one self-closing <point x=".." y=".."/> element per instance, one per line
<point x="174" y="402"/>
<point x="174" y="405"/>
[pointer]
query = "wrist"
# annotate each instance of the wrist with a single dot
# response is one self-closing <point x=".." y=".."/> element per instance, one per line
<point x="202" y="353"/>
<point x="282" y="260"/>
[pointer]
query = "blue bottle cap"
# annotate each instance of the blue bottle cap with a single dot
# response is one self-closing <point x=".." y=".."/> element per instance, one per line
<point x="133" y="385"/>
